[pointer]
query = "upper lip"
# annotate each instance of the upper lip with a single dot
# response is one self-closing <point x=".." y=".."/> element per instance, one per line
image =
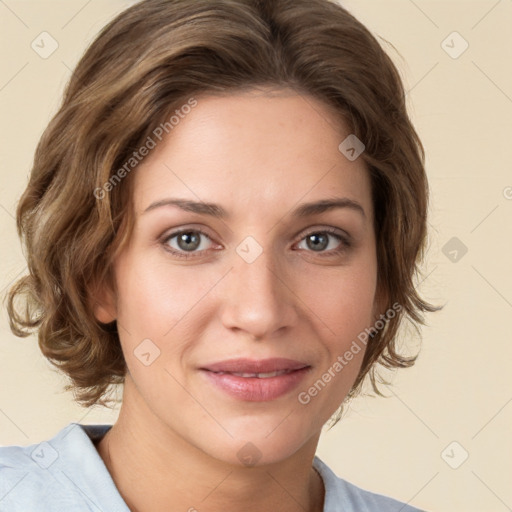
<point x="243" y="365"/>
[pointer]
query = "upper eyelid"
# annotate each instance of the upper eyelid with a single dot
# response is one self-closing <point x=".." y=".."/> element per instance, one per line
<point x="330" y="230"/>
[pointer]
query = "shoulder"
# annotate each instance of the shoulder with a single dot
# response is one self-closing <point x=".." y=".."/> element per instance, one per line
<point x="342" y="495"/>
<point x="49" y="475"/>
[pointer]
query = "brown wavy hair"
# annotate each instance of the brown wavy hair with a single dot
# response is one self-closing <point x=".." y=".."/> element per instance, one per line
<point x="148" y="62"/>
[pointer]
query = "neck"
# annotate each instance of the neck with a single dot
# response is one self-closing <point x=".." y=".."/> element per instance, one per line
<point x="154" y="467"/>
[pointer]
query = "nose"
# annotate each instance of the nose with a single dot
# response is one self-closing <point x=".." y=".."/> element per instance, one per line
<point x="258" y="297"/>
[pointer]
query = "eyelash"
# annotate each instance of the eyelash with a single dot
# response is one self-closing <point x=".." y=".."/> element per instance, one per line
<point x="344" y="246"/>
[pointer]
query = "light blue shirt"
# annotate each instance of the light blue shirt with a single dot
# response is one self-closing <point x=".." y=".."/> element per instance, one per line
<point x="66" y="474"/>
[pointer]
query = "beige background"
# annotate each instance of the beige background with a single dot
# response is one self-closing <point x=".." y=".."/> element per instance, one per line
<point x="460" y="390"/>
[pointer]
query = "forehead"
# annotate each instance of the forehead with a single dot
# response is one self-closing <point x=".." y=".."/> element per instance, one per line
<point x="253" y="149"/>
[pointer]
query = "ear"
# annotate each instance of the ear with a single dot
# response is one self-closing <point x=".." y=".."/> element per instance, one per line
<point x="102" y="301"/>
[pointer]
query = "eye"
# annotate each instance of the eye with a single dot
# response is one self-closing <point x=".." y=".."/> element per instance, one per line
<point x="322" y="241"/>
<point x="186" y="241"/>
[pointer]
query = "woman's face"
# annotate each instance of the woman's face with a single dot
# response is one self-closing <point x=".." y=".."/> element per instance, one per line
<point x="251" y="278"/>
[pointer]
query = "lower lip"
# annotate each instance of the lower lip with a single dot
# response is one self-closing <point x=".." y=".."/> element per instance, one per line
<point x="254" y="389"/>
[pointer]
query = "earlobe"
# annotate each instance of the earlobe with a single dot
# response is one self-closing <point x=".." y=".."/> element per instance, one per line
<point x="103" y="314"/>
<point x="102" y="303"/>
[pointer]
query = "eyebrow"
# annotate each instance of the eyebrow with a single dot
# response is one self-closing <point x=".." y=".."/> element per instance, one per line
<point x="217" y="211"/>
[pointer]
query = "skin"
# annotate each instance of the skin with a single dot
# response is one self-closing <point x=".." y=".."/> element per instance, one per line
<point x="259" y="155"/>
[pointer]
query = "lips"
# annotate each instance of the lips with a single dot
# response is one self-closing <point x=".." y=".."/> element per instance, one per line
<point x="256" y="380"/>
<point x="252" y="367"/>
<point x="260" y="375"/>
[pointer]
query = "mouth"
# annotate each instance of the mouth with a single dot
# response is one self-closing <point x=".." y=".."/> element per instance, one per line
<point x="251" y="367"/>
<point x="256" y="380"/>
<point x="262" y="375"/>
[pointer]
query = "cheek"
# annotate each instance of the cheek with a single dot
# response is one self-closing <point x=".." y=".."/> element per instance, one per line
<point x="343" y="303"/>
<point x="343" y="300"/>
<point x="154" y="297"/>
<point x="161" y="303"/>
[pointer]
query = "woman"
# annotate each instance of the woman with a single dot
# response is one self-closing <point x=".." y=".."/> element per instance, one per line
<point x="226" y="215"/>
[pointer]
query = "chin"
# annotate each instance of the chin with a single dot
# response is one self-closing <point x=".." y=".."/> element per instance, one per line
<point x="259" y="440"/>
